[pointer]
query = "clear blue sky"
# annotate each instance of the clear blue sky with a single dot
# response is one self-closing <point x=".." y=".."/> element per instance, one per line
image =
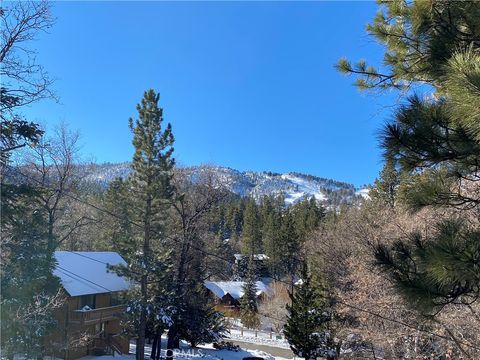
<point x="250" y="85"/>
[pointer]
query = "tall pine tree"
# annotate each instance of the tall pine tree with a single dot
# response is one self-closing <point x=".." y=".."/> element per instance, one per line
<point x="309" y="316"/>
<point x="251" y="234"/>
<point x="29" y="290"/>
<point x="150" y="193"/>
<point x="248" y="302"/>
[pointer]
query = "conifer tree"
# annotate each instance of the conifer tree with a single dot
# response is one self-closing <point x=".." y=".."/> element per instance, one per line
<point x="290" y="246"/>
<point x="316" y="213"/>
<point x="307" y="328"/>
<point x="248" y="302"/>
<point x="251" y="231"/>
<point x="201" y="323"/>
<point x="271" y="240"/>
<point x="434" y="141"/>
<point x="29" y="290"/>
<point x="385" y="187"/>
<point x="151" y="190"/>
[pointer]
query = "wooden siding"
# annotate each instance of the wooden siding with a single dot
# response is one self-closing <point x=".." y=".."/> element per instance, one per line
<point x="73" y="325"/>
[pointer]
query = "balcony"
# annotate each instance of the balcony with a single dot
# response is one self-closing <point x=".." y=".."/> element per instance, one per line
<point x="96" y="316"/>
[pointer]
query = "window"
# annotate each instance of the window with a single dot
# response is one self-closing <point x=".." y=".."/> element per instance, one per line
<point x="100" y="330"/>
<point x="87" y="300"/>
<point x="117" y="298"/>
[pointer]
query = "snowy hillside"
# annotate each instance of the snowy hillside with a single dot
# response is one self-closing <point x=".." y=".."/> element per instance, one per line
<point x="293" y="186"/>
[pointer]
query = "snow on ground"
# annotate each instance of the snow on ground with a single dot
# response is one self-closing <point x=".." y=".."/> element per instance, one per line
<point x="260" y="337"/>
<point x="303" y="188"/>
<point x="206" y="352"/>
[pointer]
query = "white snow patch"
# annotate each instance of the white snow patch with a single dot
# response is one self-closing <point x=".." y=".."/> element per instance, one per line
<point x="303" y="188"/>
<point x="363" y="193"/>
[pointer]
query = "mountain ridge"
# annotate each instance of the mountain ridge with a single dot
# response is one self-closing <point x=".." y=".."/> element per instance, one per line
<point x="294" y="186"/>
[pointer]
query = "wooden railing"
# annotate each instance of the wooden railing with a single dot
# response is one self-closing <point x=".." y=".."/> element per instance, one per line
<point x="105" y="346"/>
<point x="96" y="316"/>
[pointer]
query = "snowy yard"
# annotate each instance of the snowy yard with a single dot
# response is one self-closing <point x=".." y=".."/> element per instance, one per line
<point x="206" y="352"/>
<point x="259" y="337"/>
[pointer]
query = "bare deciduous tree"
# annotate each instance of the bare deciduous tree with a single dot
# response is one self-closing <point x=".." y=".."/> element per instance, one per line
<point x="373" y="317"/>
<point x="273" y="307"/>
<point x="24" y="81"/>
<point x="54" y="166"/>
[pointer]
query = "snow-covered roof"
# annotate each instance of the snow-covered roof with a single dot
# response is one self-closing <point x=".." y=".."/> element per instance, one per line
<point x="234" y="288"/>
<point x="239" y="257"/>
<point x="85" y="272"/>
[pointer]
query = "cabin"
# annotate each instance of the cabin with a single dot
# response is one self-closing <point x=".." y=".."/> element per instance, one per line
<point x="89" y="320"/>
<point x="226" y="295"/>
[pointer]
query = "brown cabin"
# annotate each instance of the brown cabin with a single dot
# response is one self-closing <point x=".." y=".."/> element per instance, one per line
<point x="226" y="295"/>
<point x="89" y="320"/>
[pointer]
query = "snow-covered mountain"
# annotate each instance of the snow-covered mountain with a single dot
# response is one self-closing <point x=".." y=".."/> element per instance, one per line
<point x="293" y="186"/>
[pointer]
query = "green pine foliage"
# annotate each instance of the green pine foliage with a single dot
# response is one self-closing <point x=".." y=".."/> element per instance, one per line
<point x="248" y="302"/>
<point x="201" y="323"/>
<point x="435" y="44"/>
<point x="433" y="140"/>
<point x="251" y="230"/>
<point x="29" y="290"/>
<point x="143" y="201"/>
<point x="385" y="188"/>
<point x="436" y="270"/>
<point x="290" y="246"/>
<point x="308" y="328"/>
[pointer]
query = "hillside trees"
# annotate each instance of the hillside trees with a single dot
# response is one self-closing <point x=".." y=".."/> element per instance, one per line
<point x="53" y="164"/>
<point x="375" y="319"/>
<point x="251" y="230"/>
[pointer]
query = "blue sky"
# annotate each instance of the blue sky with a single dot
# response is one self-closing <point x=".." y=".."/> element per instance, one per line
<point x="250" y="85"/>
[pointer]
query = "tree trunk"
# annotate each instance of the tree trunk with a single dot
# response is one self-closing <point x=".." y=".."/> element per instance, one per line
<point x="154" y="347"/>
<point x="159" y="345"/>
<point x="173" y="341"/>
<point x="140" y="350"/>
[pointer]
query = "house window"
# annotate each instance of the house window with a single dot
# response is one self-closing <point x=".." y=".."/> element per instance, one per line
<point x="87" y="300"/>
<point x="100" y="330"/>
<point x="117" y="298"/>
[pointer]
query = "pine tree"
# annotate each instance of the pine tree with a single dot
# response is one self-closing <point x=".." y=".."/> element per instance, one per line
<point x="150" y="191"/>
<point x="30" y="291"/>
<point x="432" y="271"/>
<point x="201" y="323"/>
<point x="271" y="240"/>
<point x="290" y="246"/>
<point x="385" y="187"/>
<point x="434" y="141"/>
<point x="248" y="302"/>
<point x="307" y="328"/>
<point x="251" y="231"/>
<point x="316" y="213"/>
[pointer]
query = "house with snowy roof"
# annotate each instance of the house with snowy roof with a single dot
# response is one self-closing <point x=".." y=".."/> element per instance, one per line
<point x="89" y="320"/>
<point x="229" y="293"/>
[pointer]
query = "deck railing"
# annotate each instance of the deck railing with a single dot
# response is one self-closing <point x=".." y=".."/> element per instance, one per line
<point x="95" y="316"/>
